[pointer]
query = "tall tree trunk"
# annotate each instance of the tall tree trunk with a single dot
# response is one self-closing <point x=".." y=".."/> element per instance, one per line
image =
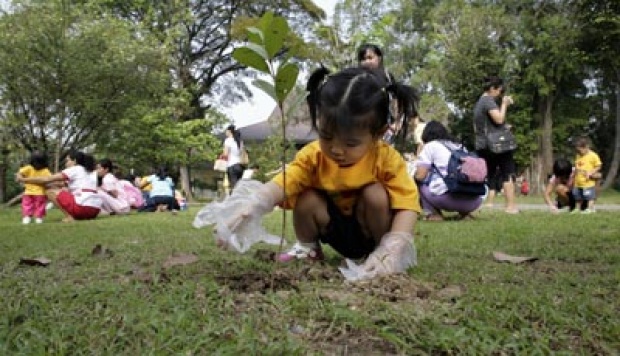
<point x="546" y="141"/>
<point x="3" y="169"/>
<point x="615" y="161"/>
<point x="185" y="184"/>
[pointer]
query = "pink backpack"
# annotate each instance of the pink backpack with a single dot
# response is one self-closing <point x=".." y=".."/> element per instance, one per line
<point x="466" y="172"/>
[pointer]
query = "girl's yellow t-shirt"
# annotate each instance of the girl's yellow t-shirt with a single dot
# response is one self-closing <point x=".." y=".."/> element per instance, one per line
<point x="311" y="169"/>
<point x="586" y="163"/>
<point x="29" y="172"/>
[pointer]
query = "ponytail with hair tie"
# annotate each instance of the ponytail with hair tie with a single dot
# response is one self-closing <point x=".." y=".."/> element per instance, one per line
<point x="316" y="81"/>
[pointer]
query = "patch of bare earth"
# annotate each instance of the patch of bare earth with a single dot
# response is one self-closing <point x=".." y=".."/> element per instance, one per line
<point x="325" y="282"/>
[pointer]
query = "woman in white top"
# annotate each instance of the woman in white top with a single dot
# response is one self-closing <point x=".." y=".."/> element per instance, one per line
<point x="79" y="200"/>
<point x="232" y="151"/>
<point x="433" y="192"/>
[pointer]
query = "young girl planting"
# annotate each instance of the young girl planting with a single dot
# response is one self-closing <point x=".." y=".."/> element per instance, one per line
<point x="348" y="189"/>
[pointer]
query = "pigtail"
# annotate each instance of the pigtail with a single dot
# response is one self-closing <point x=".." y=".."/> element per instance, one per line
<point x="313" y="86"/>
<point x="407" y="101"/>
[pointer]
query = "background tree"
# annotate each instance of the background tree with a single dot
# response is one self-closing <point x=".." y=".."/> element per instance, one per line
<point x="600" y="38"/>
<point x="67" y="77"/>
<point x="200" y="36"/>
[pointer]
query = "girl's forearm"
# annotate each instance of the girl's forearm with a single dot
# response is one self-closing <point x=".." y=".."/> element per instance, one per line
<point x="272" y="192"/>
<point x="404" y="221"/>
<point x="36" y="180"/>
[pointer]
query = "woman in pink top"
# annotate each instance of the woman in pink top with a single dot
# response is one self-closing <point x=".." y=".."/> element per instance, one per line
<point x="79" y="200"/>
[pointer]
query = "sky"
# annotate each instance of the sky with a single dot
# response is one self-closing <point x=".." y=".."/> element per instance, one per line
<point x="260" y="106"/>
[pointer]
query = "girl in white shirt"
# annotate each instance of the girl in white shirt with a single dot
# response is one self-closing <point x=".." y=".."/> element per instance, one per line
<point x="433" y="192"/>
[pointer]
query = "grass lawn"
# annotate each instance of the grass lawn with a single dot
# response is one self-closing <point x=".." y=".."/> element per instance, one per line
<point x="458" y="300"/>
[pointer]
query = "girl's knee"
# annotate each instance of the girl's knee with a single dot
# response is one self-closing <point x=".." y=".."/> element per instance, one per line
<point x="309" y="201"/>
<point x="375" y="196"/>
<point x="310" y="213"/>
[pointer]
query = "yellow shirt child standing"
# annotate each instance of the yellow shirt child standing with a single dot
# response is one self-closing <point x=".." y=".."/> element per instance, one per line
<point x="586" y="164"/>
<point x="34" y="198"/>
<point x="30" y="172"/>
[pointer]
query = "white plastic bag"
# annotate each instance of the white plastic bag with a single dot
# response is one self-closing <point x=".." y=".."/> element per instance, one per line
<point x="394" y="254"/>
<point x="238" y="218"/>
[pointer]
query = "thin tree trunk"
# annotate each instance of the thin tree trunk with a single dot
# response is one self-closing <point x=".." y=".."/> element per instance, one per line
<point x="615" y="161"/>
<point x="3" y="179"/>
<point x="185" y="184"/>
<point x="546" y="142"/>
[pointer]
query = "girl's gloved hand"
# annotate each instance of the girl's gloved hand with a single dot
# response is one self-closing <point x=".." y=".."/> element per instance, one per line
<point x="395" y="254"/>
<point x="238" y="219"/>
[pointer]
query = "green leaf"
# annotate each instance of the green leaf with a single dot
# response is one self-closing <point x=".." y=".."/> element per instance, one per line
<point x="285" y="80"/>
<point x="255" y="35"/>
<point x="266" y="87"/>
<point x="265" y="21"/>
<point x="250" y="58"/>
<point x="275" y="35"/>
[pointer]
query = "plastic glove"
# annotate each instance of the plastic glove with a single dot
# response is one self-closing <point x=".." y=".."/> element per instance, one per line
<point x="238" y="218"/>
<point x="394" y="254"/>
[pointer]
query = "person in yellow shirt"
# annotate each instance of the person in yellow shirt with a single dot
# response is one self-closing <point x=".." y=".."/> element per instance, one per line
<point x="34" y="198"/>
<point x="145" y="187"/>
<point x="587" y="170"/>
<point x="348" y="189"/>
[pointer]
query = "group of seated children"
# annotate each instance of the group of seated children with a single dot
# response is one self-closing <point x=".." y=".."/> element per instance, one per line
<point x="85" y="189"/>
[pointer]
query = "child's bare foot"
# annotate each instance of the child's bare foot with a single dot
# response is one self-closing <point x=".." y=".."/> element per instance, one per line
<point x="68" y="219"/>
<point x="434" y="217"/>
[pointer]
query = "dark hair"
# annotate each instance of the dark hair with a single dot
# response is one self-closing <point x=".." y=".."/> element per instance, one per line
<point x="85" y="160"/>
<point x="361" y="52"/>
<point x="38" y="160"/>
<point x="582" y="142"/>
<point x="107" y="164"/>
<point x="492" y="82"/>
<point x="354" y="98"/>
<point x="435" y="131"/>
<point x="411" y="111"/>
<point x="162" y="173"/>
<point x="562" y="168"/>
<point x="236" y="134"/>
